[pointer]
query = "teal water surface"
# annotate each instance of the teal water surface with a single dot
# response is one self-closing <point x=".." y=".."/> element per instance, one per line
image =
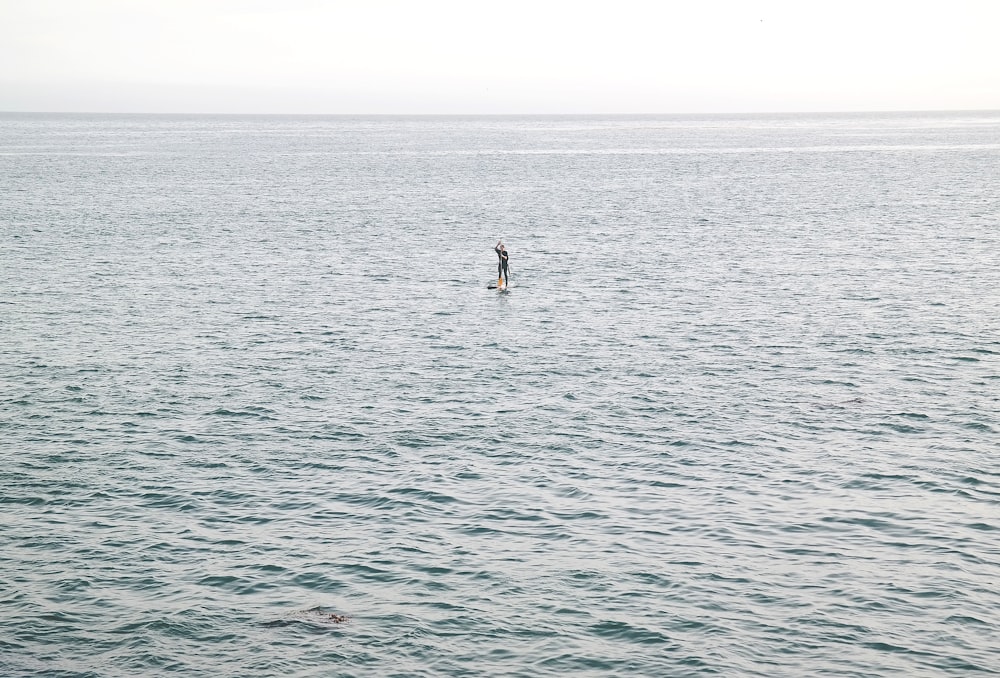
<point x="737" y="415"/>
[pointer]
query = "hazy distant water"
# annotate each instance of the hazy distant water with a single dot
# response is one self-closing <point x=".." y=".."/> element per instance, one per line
<point x="739" y="414"/>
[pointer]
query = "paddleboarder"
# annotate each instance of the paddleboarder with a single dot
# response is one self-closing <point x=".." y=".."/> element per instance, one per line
<point x="502" y="272"/>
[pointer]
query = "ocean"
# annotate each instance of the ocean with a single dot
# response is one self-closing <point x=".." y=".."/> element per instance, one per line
<point x="738" y="413"/>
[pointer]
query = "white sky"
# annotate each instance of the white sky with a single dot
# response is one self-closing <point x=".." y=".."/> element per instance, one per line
<point x="492" y="56"/>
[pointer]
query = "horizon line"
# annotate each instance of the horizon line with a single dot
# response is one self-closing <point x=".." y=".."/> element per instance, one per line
<point x="517" y="114"/>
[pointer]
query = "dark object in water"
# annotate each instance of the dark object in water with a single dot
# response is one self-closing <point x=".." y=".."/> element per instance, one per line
<point x="315" y="615"/>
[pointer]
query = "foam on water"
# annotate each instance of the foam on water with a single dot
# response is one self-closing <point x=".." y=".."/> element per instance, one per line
<point x="738" y="415"/>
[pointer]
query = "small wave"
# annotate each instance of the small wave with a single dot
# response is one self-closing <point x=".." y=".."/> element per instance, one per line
<point x="629" y="633"/>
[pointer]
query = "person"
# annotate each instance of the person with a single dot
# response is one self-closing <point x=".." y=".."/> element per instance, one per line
<point x="503" y="276"/>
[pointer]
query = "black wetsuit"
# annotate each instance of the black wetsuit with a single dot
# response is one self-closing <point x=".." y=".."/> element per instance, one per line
<point x="502" y="264"/>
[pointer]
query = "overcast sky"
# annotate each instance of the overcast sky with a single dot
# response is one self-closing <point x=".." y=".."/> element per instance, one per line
<point x="491" y="56"/>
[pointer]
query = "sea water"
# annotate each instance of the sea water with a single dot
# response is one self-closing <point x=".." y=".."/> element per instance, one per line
<point x="738" y="413"/>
